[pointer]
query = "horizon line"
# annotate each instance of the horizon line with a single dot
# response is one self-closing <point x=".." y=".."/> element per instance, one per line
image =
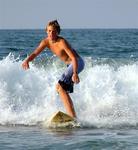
<point x="69" y="28"/>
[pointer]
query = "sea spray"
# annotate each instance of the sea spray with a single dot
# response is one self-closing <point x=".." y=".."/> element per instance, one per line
<point x="109" y="96"/>
<point x="106" y="96"/>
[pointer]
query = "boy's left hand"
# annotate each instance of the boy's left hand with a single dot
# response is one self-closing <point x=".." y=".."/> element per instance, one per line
<point x="75" y="78"/>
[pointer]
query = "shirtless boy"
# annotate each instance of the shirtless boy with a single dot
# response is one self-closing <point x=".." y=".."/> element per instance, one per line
<point x="61" y="48"/>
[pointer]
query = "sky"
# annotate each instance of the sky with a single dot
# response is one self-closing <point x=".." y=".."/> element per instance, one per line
<point x="35" y="14"/>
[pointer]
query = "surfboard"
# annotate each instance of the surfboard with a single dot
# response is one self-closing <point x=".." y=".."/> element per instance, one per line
<point x="60" y="120"/>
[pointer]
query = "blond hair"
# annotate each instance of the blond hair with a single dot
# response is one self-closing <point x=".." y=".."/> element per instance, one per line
<point x="55" y="25"/>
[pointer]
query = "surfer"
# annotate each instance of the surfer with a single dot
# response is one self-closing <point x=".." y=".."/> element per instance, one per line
<point x="75" y="64"/>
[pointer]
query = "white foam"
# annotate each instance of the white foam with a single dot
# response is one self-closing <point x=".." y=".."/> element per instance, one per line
<point x="109" y="96"/>
<point x="105" y="96"/>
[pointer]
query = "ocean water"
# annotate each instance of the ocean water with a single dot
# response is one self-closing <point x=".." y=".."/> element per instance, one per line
<point x="106" y="99"/>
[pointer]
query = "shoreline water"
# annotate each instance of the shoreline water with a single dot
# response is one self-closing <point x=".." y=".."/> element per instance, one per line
<point x="39" y="138"/>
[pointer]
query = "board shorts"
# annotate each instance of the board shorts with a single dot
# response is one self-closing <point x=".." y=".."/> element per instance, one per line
<point x="66" y="79"/>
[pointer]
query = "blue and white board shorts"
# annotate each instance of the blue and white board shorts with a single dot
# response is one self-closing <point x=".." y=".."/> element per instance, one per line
<point x="66" y="79"/>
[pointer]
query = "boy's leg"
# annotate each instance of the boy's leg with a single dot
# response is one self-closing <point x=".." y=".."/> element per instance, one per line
<point x="66" y="99"/>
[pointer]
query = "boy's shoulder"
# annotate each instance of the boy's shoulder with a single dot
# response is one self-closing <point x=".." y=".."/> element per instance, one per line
<point x="62" y="39"/>
<point x="45" y="41"/>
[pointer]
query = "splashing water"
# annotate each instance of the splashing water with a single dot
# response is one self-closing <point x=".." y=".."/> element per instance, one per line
<point x="106" y="96"/>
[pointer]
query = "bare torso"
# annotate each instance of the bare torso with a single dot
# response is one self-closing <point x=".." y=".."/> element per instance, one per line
<point x="58" y="50"/>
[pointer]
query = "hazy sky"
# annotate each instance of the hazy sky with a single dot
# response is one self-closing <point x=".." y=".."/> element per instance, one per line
<point x="70" y="13"/>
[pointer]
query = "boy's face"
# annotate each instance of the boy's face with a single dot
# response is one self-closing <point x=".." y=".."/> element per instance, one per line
<point x="52" y="33"/>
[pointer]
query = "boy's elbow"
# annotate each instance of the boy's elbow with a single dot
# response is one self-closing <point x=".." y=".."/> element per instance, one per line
<point x="74" y="59"/>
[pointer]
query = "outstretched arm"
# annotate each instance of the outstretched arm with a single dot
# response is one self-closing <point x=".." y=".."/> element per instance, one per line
<point x="36" y="52"/>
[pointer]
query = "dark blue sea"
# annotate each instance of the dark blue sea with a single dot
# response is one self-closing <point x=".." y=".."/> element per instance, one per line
<point x="106" y="99"/>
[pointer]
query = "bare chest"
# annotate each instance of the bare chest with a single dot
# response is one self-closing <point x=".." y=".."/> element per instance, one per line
<point x="57" y="50"/>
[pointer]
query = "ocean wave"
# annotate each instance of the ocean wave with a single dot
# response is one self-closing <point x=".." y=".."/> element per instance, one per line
<point x="105" y="97"/>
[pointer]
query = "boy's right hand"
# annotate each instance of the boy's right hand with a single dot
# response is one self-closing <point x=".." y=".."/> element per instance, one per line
<point x="25" y="65"/>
